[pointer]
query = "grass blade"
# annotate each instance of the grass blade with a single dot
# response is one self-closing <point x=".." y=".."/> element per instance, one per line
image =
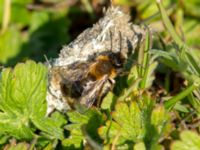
<point x="168" y="25"/>
<point x="169" y="104"/>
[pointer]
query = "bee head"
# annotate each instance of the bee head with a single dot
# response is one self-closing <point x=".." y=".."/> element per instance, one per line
<point x="117" y="60"/>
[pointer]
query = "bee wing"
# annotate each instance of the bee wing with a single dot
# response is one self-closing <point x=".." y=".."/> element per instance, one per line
<point x="75" y="72"/>
<point x="92" y="91"/>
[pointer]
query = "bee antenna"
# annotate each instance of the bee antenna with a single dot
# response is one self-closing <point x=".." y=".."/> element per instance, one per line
<point x="48" y="63"/>
<point x="111" y="44"/>
<point x="120" y="41"/>
<point x="111" y="2"/>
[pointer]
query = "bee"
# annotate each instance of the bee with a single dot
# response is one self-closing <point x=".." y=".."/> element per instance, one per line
<point x="87" y="67"/>
<point x="86" y="82"/>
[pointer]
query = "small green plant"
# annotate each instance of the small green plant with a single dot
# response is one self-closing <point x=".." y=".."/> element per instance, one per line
<point x="135" y="121"/>
<point x="181" y="60"/>
<point x="189" y="140"/>
<point x="23" y="104"/>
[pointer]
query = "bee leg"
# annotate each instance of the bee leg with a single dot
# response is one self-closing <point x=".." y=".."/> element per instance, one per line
<point x="112" y="81"/>
<point x="50" y="104"/>
<point x="91" y="92"/>
<point x="50" y="110"/>
<point x="108" y="86"/>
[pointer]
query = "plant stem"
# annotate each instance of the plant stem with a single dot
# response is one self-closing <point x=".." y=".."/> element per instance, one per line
<point x="6" y="15"/>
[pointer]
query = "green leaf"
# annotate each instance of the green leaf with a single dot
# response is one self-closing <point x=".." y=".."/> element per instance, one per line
<point x="191" y="29"/>
<point x="136" y="121"/>
<point x="194" y="64"/>
<point x="144" y="61"/>
<point x="48" y="147"/>
<point x="192" y="8"/>
<point x="108" y="101"/>
<point x="181" y="108"/>
<point x="20" y="9"/>
<point x="50" y="127"/>
<point x="22" y="1"/>
<point x="133" y="75"/>
<point x="172" y="59"/>
<point x="91" y="118"/>
<point x="139" y="146"/>
<point x="169" y="104"/>
<point x="195" y="102"/>
<point x="188" y="140"/>
<point x="19" y="146"/>
<point x="23" y="102"/>
<point x="125" y="2"/>
<point x="1" y="11"/>
<point x="159" y="125"/>
<point x="146" y="65"/>
<point x="47" y="32"/>
<point x="38" y="19"/>
<point x="3" y="139"/>
<point x="10" y="43"/>
<point x="148" y="8"/>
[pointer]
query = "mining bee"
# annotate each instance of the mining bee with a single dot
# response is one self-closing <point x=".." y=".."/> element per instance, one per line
<point x="84" y="83"/>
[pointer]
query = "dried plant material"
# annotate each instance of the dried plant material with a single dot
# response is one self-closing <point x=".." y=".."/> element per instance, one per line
<point x="86" y="68"/>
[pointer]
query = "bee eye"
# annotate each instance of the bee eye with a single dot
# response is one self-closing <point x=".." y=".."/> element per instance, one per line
<point x="117" y="63"/>
<point x="117" y="60"/>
